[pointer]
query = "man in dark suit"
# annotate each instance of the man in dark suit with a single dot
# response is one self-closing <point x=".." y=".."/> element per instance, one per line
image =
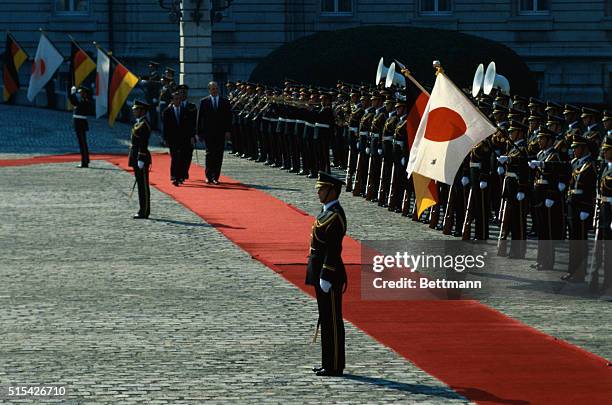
<point x="178" y="137"/>
<point x="214" y="125"/>
<point x="190" y="117"/>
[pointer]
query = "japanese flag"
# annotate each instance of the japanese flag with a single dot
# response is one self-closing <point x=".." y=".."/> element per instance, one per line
<point x="450" y="127"/>
<point x="46" y="62"/>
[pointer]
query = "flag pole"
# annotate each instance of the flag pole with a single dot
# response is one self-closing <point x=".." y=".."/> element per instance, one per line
<point x="51" y="42"/>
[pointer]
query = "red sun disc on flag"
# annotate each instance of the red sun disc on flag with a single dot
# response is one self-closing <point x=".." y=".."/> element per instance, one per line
<point x="38" y="67"/>
<point x="43" y="67"/>
<point x="444" y="124"/>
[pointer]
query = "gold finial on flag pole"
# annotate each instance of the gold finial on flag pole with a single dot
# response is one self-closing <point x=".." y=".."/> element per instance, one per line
<point x="438" y="66"/>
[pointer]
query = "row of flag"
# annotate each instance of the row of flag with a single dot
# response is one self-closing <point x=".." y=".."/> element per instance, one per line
<point x="114" y="81"/>
<point x="442" y="127"/>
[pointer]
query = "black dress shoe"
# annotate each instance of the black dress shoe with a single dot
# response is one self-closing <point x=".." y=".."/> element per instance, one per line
<point x="317" y="369"/>
<point x="175" y="183"/>
<point x="330" y="373"/>
<point x="139" y="216"/>
<point x="83" y="166"/>
<point x="209" y="181"/>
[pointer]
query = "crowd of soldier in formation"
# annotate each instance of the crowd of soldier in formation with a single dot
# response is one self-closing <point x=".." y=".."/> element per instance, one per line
<point x="548" y="162"/>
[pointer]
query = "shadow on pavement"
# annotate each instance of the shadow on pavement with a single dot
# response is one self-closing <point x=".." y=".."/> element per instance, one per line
<point x="420" y="389"/>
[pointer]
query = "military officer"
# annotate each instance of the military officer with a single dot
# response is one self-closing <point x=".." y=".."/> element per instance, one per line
<point x="357" y="111"/>
<point x="605" y="218"/>
<point x="515" y="190"/>
<point x="139" y="157"/>
<point x="581" y="200"/>
<point x="400" y="158"/>
<point x="387" y="147"/>
<point x="376" y="149"/>
<point x="371" y="104"/>
<point x="151" y="85"/>
<point x="593" y="130"/>
<point x="547" y="199"/>
<point x="479" y="204"/>
<point x="82" y="107"/>
<point x="326" y="272"/>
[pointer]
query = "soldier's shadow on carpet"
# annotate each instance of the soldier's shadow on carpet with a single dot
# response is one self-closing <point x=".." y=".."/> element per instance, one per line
<point x="435" y="391"/>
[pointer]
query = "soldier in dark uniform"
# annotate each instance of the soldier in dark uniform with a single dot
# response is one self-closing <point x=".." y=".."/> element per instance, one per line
<point x="593" y="130"/>
<point x="515" y="190"/>
<point x="363" y="145"/>
<point x="376" y="151"/>
<point x="326" y="272"/>
<point x="357" y="111"/>
<point x="479" y="204"/>
<point x="547" y="199"/>
<point x="82" y="107"/>
<point x="151" y="85"/>
<point x="581" y="201"/>
<point x="605" y="217"/>
<point x="324" y="130"/>
<point x="140" y="157"/>
<point x="387" y="158"/>
<point x="399" y="179"/>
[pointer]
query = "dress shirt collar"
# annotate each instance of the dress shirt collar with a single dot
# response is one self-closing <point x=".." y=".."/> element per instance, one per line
<point x="327" y="206"/>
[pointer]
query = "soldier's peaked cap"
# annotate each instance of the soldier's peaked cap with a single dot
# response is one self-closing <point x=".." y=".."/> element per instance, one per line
<point x="607" y="144"/>
<point x="326" y="179"/>
<point x="516" y="125"/>
<point x="153" y="63"/>
<point x="182" y="87"/>
<point x="140" y="104"/>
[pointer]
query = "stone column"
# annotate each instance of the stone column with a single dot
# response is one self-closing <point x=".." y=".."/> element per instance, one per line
<point x="195" y="55"/>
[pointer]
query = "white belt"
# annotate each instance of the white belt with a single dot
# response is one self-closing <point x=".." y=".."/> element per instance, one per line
<point x="400" y="143"/>
<point x="82" y="117"/>
<point x="576" y="191"/>
<point x="542" y="181"/>
<point x="319" y="125"/>
<point x="308" y="124"/>
<point x="387" y="138"/>
<point x="289" y="120"/>
<point x="281" y="119"/>
<point x="353" y="129"/>
<point x="606" y="199"/>
<point x="266" y="119"/>
<point x="273" y="119"/>
<point x="363" y="133"/>
<point x="513" y="175"/>
<point x="374" y="135"/>
<point x="300" y="122"/>
<point x="475" y="165"/>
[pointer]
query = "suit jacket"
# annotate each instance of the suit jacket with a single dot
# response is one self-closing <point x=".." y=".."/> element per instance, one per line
<point x="179" y="134"/>
<point x="214" y="123"/>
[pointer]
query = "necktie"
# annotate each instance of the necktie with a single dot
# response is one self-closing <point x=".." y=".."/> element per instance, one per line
<point x="177" y="111"/>
<point x="215" y="103"/>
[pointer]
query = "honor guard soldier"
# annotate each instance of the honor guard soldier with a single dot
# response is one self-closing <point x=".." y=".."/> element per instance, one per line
<point x="604" y="222"/>
<point x="363" y="145"/>
<point x="553" y="109"/>
<point x="327" y="274"/>
<point x="376" y="151"/>
<point x="139" y="157"/>
<point x="581" y="201"/>
<point x="82" y="107"/>
<point x="400" y="158"/>
<point x="593" y="131"/>
<point x="547" y="199"/>
<point x="324" y="130"/>
<point x="357" y="111"/>
<point x="574" y="125"/>
<point x="479" y="204"/>
<point x="387" y="147"/>
<point x="515" y="189"/>
<point x="151" y="85"/>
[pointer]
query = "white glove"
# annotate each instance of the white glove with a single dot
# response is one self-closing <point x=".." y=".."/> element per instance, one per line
<point x="584" y="215"/>
<point x="483" y="185"/>
<point x="465" y="181"/>
<point x="520" y="196"/>
<point x="368" y="151"/>
<point x="380" y="152"/>
<point x="611" y="226"/>
<point x="154" y="101"/>
<point x="500" y="170"/>
<point x="73" y="90"/>
<point x="502" y="159"/>
<point x="561" y="186"/>
<point x="548" y="203"/>
<point x="403" y="161"/>
<point x="325" y="285"/>
<point x="140" y="164"/>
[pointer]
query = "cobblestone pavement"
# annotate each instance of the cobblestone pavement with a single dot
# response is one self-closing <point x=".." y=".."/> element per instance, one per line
<point x="160" y="311"/>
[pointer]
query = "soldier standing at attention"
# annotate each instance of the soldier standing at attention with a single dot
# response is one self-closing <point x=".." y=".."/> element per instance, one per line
<point x="327" y="274"/>
<point x="82" y="108"/>
<point x="140" y="157"/>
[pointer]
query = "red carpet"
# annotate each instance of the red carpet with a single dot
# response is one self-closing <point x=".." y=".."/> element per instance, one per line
<point x="479" y="352"/>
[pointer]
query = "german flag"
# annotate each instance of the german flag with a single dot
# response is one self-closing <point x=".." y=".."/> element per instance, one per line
<point x="425" y="189"/>
<point x="81" y="65"/>
<point x="14" y="56"/>
<point x="121" y="84"/>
